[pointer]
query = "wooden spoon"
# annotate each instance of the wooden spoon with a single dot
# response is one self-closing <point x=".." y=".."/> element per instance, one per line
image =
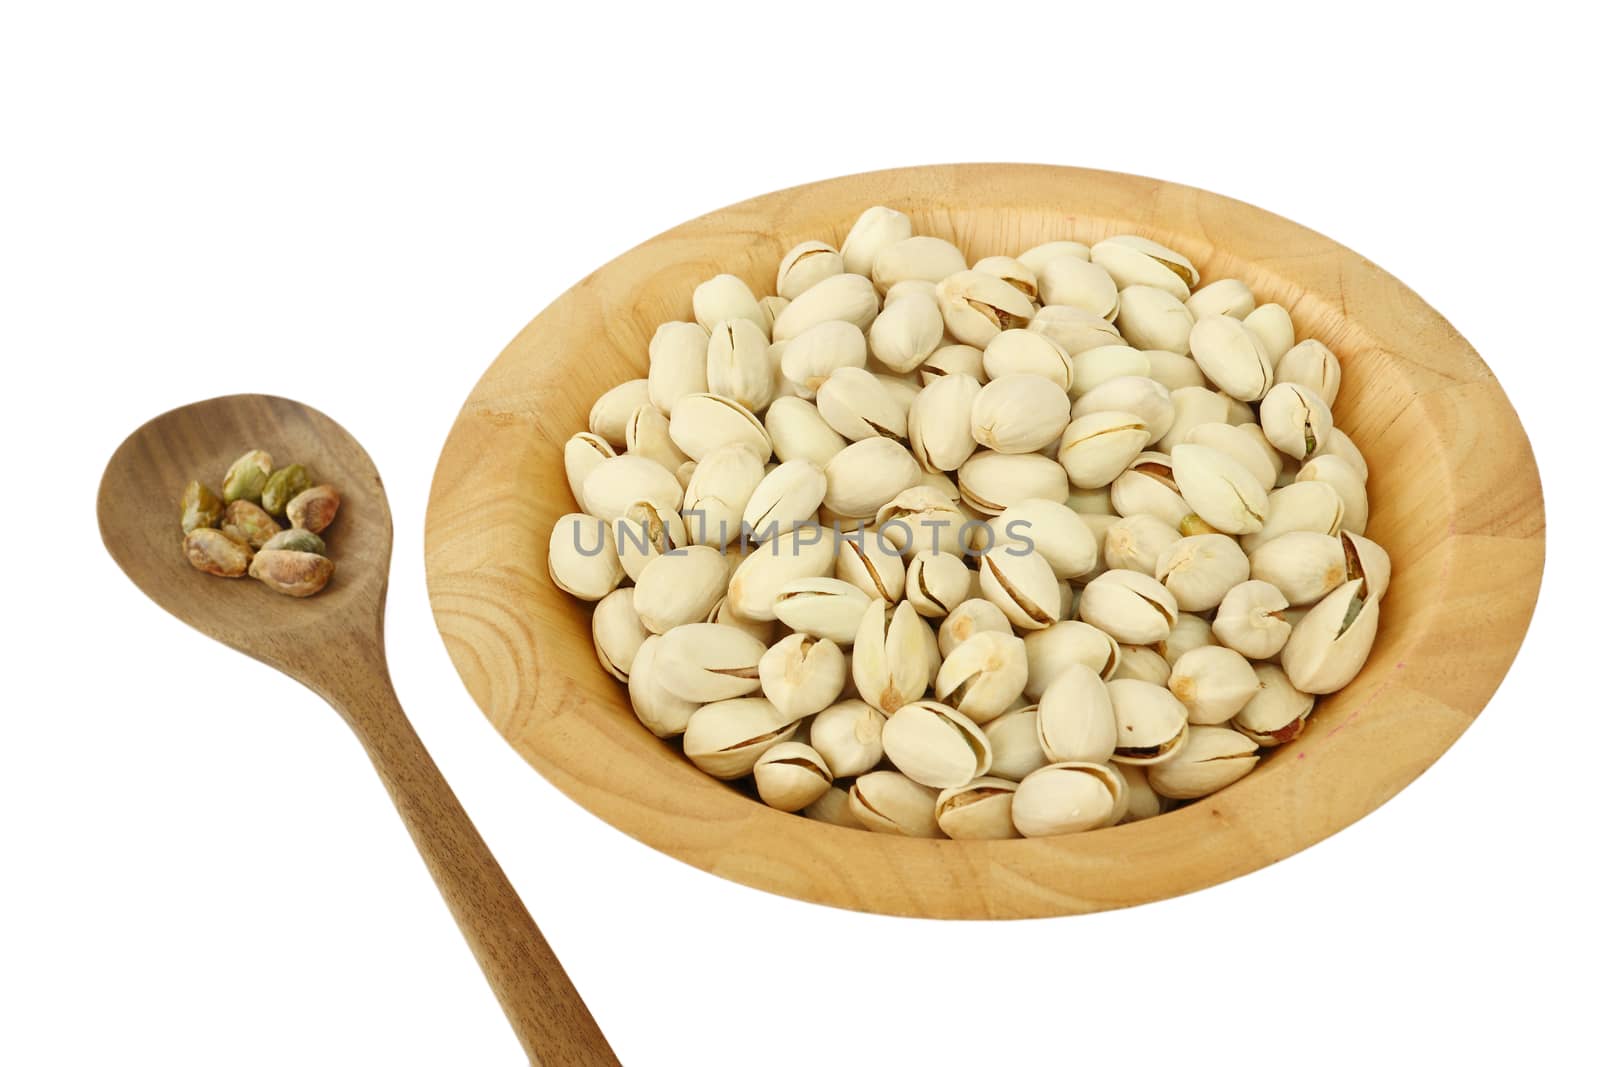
<point x="333" y="643"/>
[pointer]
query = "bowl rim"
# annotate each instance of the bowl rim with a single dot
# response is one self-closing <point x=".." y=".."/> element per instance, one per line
<point x="1488" y="562"/>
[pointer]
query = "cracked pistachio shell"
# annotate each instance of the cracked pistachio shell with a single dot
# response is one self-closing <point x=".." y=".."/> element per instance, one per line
<point x="644" y="532"/>
<point x="1272" y="324"/>
<point x="1214" y="757"/>
<point x="983" y="676"/>
<point x="723" y="298"/>
<point x="1021" y="584"/>
<point x="798" y="431"/>
<point x="616" y="484"/>
<point x="906" y="332"/>
<point x="1192" y="406"/>
<point x="967" y="619"/>
<point x="978" y="306"/>
<point x="807" y="552"/>
<point x="662" y="712"/>
<point x="646" y="435"/>
<point x="1339" y="444"/>
<point x="845" y="297"/>
<point x="801" y="675"/>
<point x="1346" y="481"/>
<point x="583" y="557"/>
<point x="608" y="418"/>
<point x="1040" y="256"/>
<point x="833" y="808"/>
<point x="980" y="810"/>
<point x="1074" y="329"/>
<point x="771" y="308"/>
<point x="1014" y="743"/>
<point x="1295" y="419"/>
<point x="812" y="356"/>
<point x="919" y="258"/>
<point x="738" y="365"/>
<point x="1232" y="357"/>
<point x="722" y="615"/>
<point x="247" y="477"/>
<point x="993" y="481"/>
<point x="871" y="563"/>
<point x="790" y="776"/>
<point x="1313" y="365"/>
<point x="858" y="406"/>
<point x="1310" y="507"/>
<point x="1220" y="489"/>
<point x="1057" y="533"/>
<point x="703" y="422"/>
<point x="1135" y="542"/>
<point x="937" y="582"/>
<point x="677" y="363"/>
<point x="874" y="230"/>
<point x="951" y="360"/>
<point x="890" y="661"/>
<point x="1277" y="713"/>
<point x="1303" y="566"/>
<point x="1019" y="413"/>
<point x="908" y="287"/>
<point x="1067" y="798"/>
<point x="617" y="632"/>
<point x="1133" y="608"/>
<point x="1145" y="398"/>
<point x="1188" y="632"/>
<point x="786" y="498"/>
<point x="1024" y="352"/>
<point x="1147" y="487"/>
<point x="1144" y="663"/>
<point x="1065" y="644"/>
<point x="679" y="588"/>
<point x="1154" y="318"/>
<point x="1328" y="647"/>
<point x="718" y="491"/>
<point x="726" y="737"/>
<point x="1075" y="723"/>
<point x="1073" y="282"/>
<point x="1366" y="559"/>
<point x="1132" y="260"/>
<point x="582" y="454"/>
<point x="1094" y="368"/>
<point x="1172" y="370"/>
<point x="706" y="662"/>
<point x="866" y="475"/>
<point x="1226" y="296"/>
<point x="1097" y="448"/>
<point x="940" y="422"/>
<point x="1239" y="444"/>
<point x="1012" y="271"/>
<point x="936" y="745"/>
<point x="806" y="264"/>
<point x="849" y="736"/>
<point x="1250" y="619"/>
<point x="821" y="607"/>
<point x="888" y="802"/>
<point x="1152" y="724"/>
<point x="1198" y="571"/>
<point x="1213" y="682"/>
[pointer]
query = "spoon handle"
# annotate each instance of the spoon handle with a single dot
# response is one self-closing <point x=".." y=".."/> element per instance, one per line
<point x="548" y="1015"/>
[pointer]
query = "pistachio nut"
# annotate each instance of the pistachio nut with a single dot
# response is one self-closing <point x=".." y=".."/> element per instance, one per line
<point x="1097" y="448"/>
<point x="1303" y="566"/>
<point x="1346" y="481"/>
<point x="908" y="286"/>
<point x="726" y="737"/>
<point x="1189" y="631"/>
<point x="940" y="422"/>
<point x="833" y="808"/>
<point x="936" y="582"/>
<point x="1053" y="530"/>
<point x="1277" y="713"/>
<point x="907" y="332"/>
<point x="662" y="712"/>
<point x="786" y="498"/>
<point x="719" y="491"/>
<point x="1221" y="490"/>
<point x="993" y="481"/>
<point x="315" y="509"/>
<point x="866" y="475"/>
<point x="677" y="363"/>
<point x="1152" y="318"/>
<point x="1232" y="356"/>
<point x="936" y="745"/>
<point x="200" y="507"/>
<point x="806" y="264"/>
<point x="980" y="810"/>
<point x="1095" y="367"/>
<point x="1329" y="646"/>
<point x="646" y="435"/>
<point x="797" y="431"/>
<point x="246" y="477"/>
<point x="845" y="297"/>
<point x="1366" y="559"/>
<point x="1019" y="413"/>
<point x="296" y="540"/>
<point x="1198" y="571"/>
<point x="821" y="607"/>
<point x="1132" y="260"/>
<point x="296" y="574"/>
<point x="1213" y="682"/>
<point x="984" y="675"/>
<point x="583" y="557"/>
<point x="1013" y="271"/>
<point x="1311" y="507"/>
<point x="874" y="230"/>
<point x="1074" y="329"/>
<point x="705" y="662"/>
<point x="1271" y="323"/>
<point x="1025" y="352"/>
<point x="968" y="618"/>
<point x="857" y="405"/>
<point x="282" y="486"/>
<point x="679" y="587"/>
<point x="977" y="306"/>
<point x="1075" y="722"/>
<point x="1148" y="487"/>
<point x="849" y="736"/>
<point x="1144" y="663"/>
<point x="616" y="484"/>
<point x="1065" y="644"/>
<point x="1313" y="365"/>
<point x="702" y="422"/>
<point x="722" y="615"/>
<point x="1145" y="398"/>
<point x="617" y="632"/>
<point x="807" y="552"/>
<point x="1152" y="724"/>
<point x="1014" y="743"/>
<point x="1067" y="798"/>
<point x="1040" y="256"/>
<point x="1172" y="370"/>
<point x="1074" y="282"/>
<point x="812" y="356"/>
<point x="250" y="523"/>
<point x="1192" y="406"/>
<point x="737" y="364"/>
<point x="1225" y="296"/>
<point x="1131" y="607"/>
<point x="1021" y="584"/>
<point x="801" y="675"/>
<point x="789" y="776"/>
<point x="887" y="802"/>
<point x="921" y="258"/>
<point x="723" y="299"/>
<point x="608" y="418"/>
<point x="890" y="661"/>
<point x="1239" y="444"/>
<point x="1250" y="619"/>
<point x="1295" y="419"/>
<point x="1143" y="802"/>
<point x="215" y="552"/>
<point x="1136" y="542"/>
<point x="871" y="563"/>
<point x="582" y="454"/>
<point x="951" y="359"/>
<point x="1339" y="444"/>
<point x="1214" y="757"/>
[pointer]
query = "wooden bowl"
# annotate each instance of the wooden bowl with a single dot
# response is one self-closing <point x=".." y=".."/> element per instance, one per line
<point x="1455" y="499"/>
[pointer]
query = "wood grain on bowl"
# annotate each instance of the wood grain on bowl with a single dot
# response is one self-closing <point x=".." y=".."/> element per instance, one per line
<point x="1455" y="494"/>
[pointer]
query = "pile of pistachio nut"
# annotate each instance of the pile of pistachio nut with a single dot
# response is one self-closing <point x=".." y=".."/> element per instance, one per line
<point x="239" y="532"/>
<point x="1026" y="546"/>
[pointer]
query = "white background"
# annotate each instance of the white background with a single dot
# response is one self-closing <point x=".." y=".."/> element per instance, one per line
<point x="359" y="207"/>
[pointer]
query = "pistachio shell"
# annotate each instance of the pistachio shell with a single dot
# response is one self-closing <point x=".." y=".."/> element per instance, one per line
<point x="616" y="484"/>
<point x="1277" y="713"/>
<point x="1014" y="742"/>
<point x="967" y="619"/>
<point x="582" y="454"/>
<point x="1017" y="351"/>
<point x="1295" y="419"/>
<point x="936" y="582"/>
<point x="1213" y="682"/>
<point x="980" y="810"/>
<point x="1198" y="571"/>
<point x="1192" y="406"/>
<point x="1074" y="282"/>
<point x="1060" y="646"/>
<point x="1097" y="448"/>
<point x="1271" y="323"/>
<point x="890" y="663"/>
<point x="704" y="422"/>
<point x="1172" y="370"/>
<point x="806" y="264"/>
<point x="1148" y="487"/>
<point x="608" y="418"/>
<point x="1066" y="798"/>
<point x="1022" y="585"/>
<point x="807" y="552"/>
<point x="951" y="359"/>
<point x="1076" y="723"/>
<point x="1304" y="566"/>
<point x="1346" y="481"/>
<point x="993" y="481"/>
<point x="786" y="498"/>
<point x="867" y="474"/>
<point x="1339" y="444"/>
<point x="1225" y="296"/>
<point x="1154" y="318"/>
<point x="1144" y="398"/>
<point x="1313" y="365"/>
<point x="644" y="532"/>
<point x="726" y="737"/>
<point x="977" y="306"/>
<point x="1214" y="757"/>
<point x="789" y="776"/>
<point x="1232" y="356"/>
<point x="680" y="587"/>
<point x="661" y="711"/>
<point x="1310" y="507"/>
<point x="1013" y="272"/>
<point x="849" y="736"/>
<point x="1143" y="663"/>
<point x="1188" y="632"/>
<point x="1041" y="256"/>
<point x="801" y="675"/>
<point x="1330" y="645"/>
<point x="1055" y="531"/>
<point x="617" y="632"/>
<point x="1237" y="443"/>
<point x="822" y="607"/>
<point x="857" y="405"/>
<point x="930" y="259"/>
<point x="1136" y="542"/>
<point x="1250" y="619"/>
<point x="888" y="802"/>
<point x="1220" y="489"/>
<point x="798" y="431"/>
<point x="907" y="332"/>
<point x="1152" y="724"/>
<point x="583" y="557"/>
<point x="1142" y="801"/>
<point x="833" y="808"/>
<point x="936" y="745"/>
<point x="984" y="675"/>
<point x="677" y="363"/>
<point x="1019" y="413"/>
<point x="872" y="564"/>
<point x="846" y="297"/>
<point x="1132" y="260"/>
<point x="940" y="422"/>
<point x="718" y="492"/>
<point x="1134" y="608"/>
<point x="1075" y="330"/>
<point x="737" y="364"/>
<point x="874" y="230"/>
<point x="809" y="358"/>
<point x="1366" y="559"/>
<point x="1095" y="367"/>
